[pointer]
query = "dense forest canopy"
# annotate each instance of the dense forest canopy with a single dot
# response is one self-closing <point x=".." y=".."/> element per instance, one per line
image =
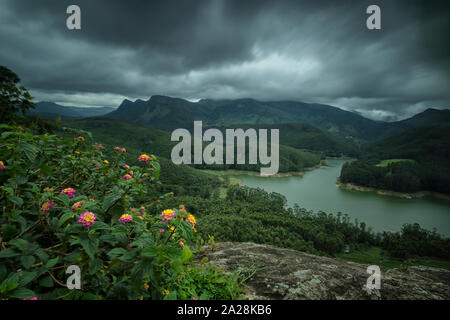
<point x="425" y="152"/>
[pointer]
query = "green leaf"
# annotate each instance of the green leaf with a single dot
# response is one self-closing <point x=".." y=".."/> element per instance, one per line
<point x="66" y="216"/>
<point x="7" y="134"/>
<point x="149" y="252"/>
<point x="22" y="221"/>
<point x="90" y="296"/>
<point x="114" y="253"/>
<point x="129" y="256"/>
<point x="99" y="225"/>
<point x="144" y="241"/>
<point x="20" y="244"/>
<point x="186" y="254"/>
<point x="111" y="198"/>
<point x="9" y="231"/>
<point x="95" y="265"/>
<point x="8" y="253"/>
<point x="18" y="201"/>
<point x="52" y="262"/>
<point x="173" y="253"/>
<point x="45" y="169"/>
<point x="171" y="296"/>
<point x="27" y="261"/>
<point x="22" y="293"/>
<point x="46" y="282"/>
<point x="29" y="150"/>
<point x="27" y="277"/>
<point x="90" y="246"/>
<point x="20" y="179"/>
<point x="64" y="199"/>
<point x="42" y="255"/>
<point x="10" y="283"/>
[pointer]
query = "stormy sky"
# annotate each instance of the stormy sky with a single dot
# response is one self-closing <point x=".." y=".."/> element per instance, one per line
<point x="312" y="51"/>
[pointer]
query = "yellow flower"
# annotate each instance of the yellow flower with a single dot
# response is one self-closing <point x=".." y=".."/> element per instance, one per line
<point x="165" y="292"/>
<point x="146" y="286"/>
<point x="141" y="298"/>
<point x="106" y="161"/>
<point x="191" y="219"/>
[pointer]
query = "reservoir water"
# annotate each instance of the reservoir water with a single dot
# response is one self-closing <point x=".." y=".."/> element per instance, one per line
<point x="317" y="190"/>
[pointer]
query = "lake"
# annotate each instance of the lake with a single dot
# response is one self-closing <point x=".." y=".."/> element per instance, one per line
<point x="317" y="190"/>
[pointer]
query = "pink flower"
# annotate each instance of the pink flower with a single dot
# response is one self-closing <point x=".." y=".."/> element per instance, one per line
<point x="126" y="167"/>
<point x="127" y="177"/>
<point x="47" y="206"/>
<point x="167" y="215"/>
<point x="77" y="205"/>
<point x="126" y="218"/>
<point x="70" y="192"/>
<point x="131" y="173"/>
<point x="161" y="231"/>
<point x="99" y="147"/>
<point x="143" y="158"/>
<point x="123" y="150"/>
<point x="193" y="298"/>
<point x="34" y="298"/>
<point x="87" y="219"/>
<point x="2" y="166"/>
<point x="79" y="138"/>
<point x="116" y="148"/>
<point x="181" y="244"/>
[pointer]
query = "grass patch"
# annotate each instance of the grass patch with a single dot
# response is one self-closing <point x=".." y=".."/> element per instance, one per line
<point x="382" y="258"/>
<point x="386" y="162"/>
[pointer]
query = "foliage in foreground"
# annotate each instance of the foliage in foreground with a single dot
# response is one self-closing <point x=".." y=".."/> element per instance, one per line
<point x="64" y="203"/>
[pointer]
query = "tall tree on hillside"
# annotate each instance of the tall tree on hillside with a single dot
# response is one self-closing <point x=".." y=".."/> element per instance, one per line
<point x="13" y="98"/>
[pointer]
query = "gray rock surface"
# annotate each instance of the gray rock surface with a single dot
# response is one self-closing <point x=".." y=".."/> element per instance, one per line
<point x="294" y="275"/>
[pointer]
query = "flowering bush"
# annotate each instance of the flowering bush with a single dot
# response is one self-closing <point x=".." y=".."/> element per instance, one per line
<point x="65" y="204"/>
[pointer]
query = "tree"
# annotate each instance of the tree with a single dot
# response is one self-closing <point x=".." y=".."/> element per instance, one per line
<point x="13" y="98"/>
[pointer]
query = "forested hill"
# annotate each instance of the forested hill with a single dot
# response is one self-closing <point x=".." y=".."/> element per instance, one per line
<point x="423" y="144"/>
<point x="307" y="137"/>
<point x="140" y="138"/>
<point x="417" y="159"/>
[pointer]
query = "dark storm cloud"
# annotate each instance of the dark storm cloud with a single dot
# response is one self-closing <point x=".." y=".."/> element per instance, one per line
<point x="318" y="51"/>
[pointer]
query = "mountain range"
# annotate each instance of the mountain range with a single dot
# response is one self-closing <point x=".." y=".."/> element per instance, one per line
<point x="50" y="110"/>
<point x="167" y="113"/>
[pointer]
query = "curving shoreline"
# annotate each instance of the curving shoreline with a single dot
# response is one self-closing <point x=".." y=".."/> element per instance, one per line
<point x="281" y="174"/>
<point x="403" y="195"/>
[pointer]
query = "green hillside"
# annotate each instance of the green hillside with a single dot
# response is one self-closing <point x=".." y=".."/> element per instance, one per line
<point x="140" y="138"/>
<point x="417" y="159"/>
<point x="308" y="137"/>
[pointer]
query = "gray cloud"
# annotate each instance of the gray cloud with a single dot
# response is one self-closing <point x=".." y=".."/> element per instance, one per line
<point x="316" y="51"/>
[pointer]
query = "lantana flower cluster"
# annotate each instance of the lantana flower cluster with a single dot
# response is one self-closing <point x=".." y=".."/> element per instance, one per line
<point x="143" y="158"/>
<point x="70" y="192"/>
<point x="47" y="206"/>
<point x="87" y="219"/>
<point x="126" y="218"/>
<point x="167" y="215"/>
<point x="120" y="149"/>
<point x="77" y="205"/>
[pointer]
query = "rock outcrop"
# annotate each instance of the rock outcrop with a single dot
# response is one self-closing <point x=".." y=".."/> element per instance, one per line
<point x="294" y="275"/>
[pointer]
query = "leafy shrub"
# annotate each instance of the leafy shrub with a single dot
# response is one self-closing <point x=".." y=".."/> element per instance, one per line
<point x="63" y="203"/>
